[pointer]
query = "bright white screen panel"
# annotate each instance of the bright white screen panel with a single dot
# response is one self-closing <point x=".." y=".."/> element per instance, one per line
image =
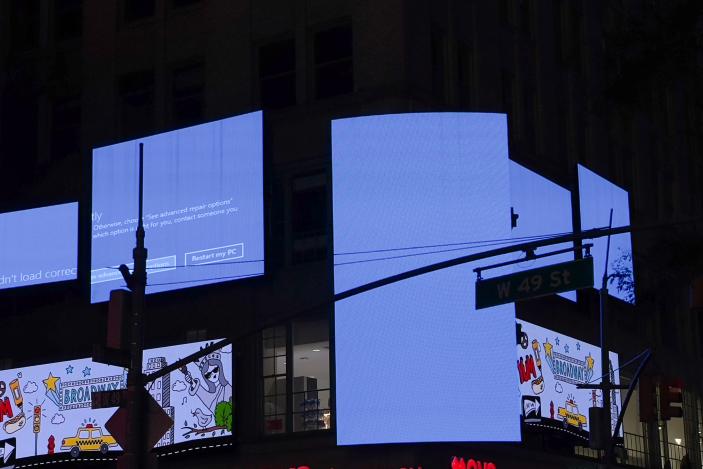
<point x="597" y="196"/>
<point x="543" y="208"/>
<point x="39" y="245"/>
<point x="203" y="206"/>
<point x="549" y="366"/>
<point x="410" y="190"/>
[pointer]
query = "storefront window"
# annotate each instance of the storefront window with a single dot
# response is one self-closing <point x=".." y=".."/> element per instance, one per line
<point x="274" y="363"/>
<point x="311" y="376"/>
<point x="297" y="353"/>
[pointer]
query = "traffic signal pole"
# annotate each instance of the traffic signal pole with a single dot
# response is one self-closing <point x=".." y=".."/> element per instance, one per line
<point x="604" y="358"/>
<point x="135" y="455"/>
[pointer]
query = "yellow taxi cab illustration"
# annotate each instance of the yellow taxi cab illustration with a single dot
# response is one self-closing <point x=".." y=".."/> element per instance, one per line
<point x="88" y="438"/>
<point x="570" y="414"/>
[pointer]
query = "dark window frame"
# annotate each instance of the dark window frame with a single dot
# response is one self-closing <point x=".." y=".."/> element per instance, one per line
<point x="66" y="25"/>
<point x="309" y="234"/>
<point x="277" y="87"/>
<point x="66" y="122"/>
<point x="185" y="92"/>
<point x="332" y="75"/>
<point x="133" y="87"/>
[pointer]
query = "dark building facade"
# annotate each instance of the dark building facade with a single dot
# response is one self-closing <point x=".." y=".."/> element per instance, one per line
<point x="613" y="85"/>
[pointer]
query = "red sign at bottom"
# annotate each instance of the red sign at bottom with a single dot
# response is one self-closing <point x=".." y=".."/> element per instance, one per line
<point x="460" y="463"/>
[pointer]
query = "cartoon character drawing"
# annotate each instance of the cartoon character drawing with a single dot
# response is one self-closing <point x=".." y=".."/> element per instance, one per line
<point x="214" y="387"/>
<point x="214" y="391"/>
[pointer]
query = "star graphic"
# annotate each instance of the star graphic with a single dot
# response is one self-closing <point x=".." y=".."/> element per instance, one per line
<point x="86" y="371"/>
<point x="548" y="348"/>
<point x="566" y="348"/>
<point x="50" y="382"/>
<point x="589" y="362"/>
<point x="578" y="346"/>
<point x="69" y="369"/>
<point x="557" y="340"/>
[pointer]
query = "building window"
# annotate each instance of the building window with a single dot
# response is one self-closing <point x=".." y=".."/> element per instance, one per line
<point x="464" y="71"/>
<point x="309" y="217"/>
<point x="526" y="17"/>
<point x="311" y="376"/>
<point x="183" y="3"/>
<point x="68" y="19"/>
<point x="66" y="128"/>
<point x="438" y="45"/>
<point x="334" y="67"/>
<point x="136" y="95"/>
<point x="187" y="94"/>
<point x="277" y="74"/>
<point x="134" y="10"/>
<point x="274" y="377"/>
<point x="24" y="24"/>
<point x="297" y="353"/>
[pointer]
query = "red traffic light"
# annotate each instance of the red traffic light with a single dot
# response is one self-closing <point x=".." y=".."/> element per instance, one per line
<point x="37" y="410"/>
<point x="648" y="399"/>
<point x="671" y="392"/>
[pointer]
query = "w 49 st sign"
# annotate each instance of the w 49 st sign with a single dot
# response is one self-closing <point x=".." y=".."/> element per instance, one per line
<point x="526" y="284"/>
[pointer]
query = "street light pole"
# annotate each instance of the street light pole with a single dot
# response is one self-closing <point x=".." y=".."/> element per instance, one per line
<point x="604" y="358"/>
<point x="135" y="455"/>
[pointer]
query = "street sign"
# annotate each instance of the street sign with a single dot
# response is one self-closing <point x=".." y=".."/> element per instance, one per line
<point x="158" y="421"/>
<point x="106" y="399"/>
<point x="7" y="453"/>
<point x="117" y="426"/>
<point x="532" y="283"/>
<point x="111" y="356"/>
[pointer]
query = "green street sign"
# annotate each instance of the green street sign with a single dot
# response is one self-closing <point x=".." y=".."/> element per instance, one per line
<point x="555" y="278"/>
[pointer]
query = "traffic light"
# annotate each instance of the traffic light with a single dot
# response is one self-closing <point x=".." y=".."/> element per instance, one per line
<point x="36" y="419"/>
<point x="648" y="399"/>
<point x="671" y="392"/>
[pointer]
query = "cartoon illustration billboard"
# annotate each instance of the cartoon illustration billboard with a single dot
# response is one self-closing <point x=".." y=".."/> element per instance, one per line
<point x="198" y="396"/>
<point x="549" y="366"/>
<point x="46" y="408"/>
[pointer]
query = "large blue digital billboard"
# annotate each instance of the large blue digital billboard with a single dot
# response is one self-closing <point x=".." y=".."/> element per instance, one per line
<point x="203" y="206"/>
<point x="597" y="196"/>
<point x="541" y="208"/>
<point x="414" y="361"/>
<point x="39" y="245"/>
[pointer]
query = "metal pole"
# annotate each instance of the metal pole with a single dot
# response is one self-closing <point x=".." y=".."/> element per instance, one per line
<point x="135" y="455"/>
<point x="605" y="367"/>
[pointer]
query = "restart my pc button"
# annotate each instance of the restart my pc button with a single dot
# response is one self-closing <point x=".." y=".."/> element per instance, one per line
<point x="219" y="254"/>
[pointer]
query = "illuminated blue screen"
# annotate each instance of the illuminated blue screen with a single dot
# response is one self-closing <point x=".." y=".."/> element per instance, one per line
<point x="597" y="196"/>
<point x="203" y="206"/>
<point x="414" y="361"/>
<point x="543" y="208"/>
<point x="38" y="245"/>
